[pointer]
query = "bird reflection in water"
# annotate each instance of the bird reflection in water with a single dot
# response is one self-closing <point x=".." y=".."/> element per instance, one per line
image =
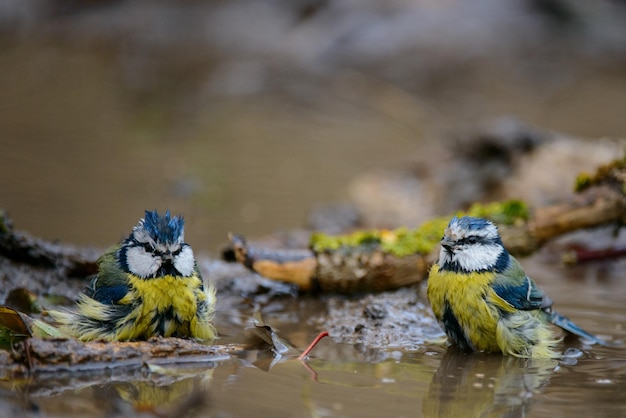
<point x="160" y="394"/>
<point x="485" y="385"/>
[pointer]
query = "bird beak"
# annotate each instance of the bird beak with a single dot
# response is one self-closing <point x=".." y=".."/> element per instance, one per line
<point x="447" y="244"/>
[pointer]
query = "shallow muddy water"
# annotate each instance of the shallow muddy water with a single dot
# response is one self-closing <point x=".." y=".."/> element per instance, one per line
<point x="432" y="381"/>
<point x="87" y="145"/>
<point x="354" y="381"/>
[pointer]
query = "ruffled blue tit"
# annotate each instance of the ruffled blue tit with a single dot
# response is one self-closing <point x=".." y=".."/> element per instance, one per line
<point x="149" y="285"/>
<point x="485" y="302"/>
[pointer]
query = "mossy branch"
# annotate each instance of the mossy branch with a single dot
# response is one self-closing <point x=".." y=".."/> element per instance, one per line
<point x="374" y="260"/>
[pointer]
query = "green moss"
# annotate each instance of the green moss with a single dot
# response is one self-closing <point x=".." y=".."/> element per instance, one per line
<point x="583" y="180"/>
<point x="603" y="173"/>
<point x="402" y="242"/>
<point x="322" y="242"/>
<point x="507" y="212"/>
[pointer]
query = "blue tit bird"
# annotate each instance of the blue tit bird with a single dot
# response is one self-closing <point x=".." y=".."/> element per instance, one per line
<point x="485" y="302"/>
<point x="149" y="285"/>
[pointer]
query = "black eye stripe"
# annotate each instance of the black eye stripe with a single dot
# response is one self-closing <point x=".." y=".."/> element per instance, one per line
<point x="148" y="247"/>
<point x="145" y="245"/>
<point x="470" y="240"/>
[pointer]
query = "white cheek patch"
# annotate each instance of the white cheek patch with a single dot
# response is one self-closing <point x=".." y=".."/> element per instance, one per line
<point x="142" y="263"/>
<point x="184" y="262"/>
<point x="444" y="256"/>
<point x="477" y="257"/>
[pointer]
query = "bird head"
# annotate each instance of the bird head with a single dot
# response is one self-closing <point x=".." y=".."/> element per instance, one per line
<point x="156" y="247"/>
<point x="472" y="244"/>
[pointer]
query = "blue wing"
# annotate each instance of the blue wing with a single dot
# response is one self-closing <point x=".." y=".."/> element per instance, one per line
<point x="110" y="295"/>
<point x="521" y="292"/>
<point x="107" y="294"/>
<point x="111" y="283"/>
<point x="524" y="294"/>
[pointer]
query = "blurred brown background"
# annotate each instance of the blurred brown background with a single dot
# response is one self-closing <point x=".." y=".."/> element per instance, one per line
<point x="244" y="115"/>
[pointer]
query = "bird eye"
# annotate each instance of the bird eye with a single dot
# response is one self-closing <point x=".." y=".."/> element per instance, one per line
<point x="472" y="240"/>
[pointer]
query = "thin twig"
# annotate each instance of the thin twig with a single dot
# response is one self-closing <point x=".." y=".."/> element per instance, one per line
<point x="317" y="339"/>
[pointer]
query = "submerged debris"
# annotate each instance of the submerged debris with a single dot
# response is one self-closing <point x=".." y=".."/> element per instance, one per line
<point x="389" y="320"/>
<point x="43" y="355"/>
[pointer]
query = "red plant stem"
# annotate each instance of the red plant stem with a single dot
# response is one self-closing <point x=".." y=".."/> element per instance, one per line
<point x="312" y="345"/>
<point x="311" y="370"/>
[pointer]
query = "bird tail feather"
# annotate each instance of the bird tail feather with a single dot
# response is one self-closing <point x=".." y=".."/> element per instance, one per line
<point x="565" y="323"/>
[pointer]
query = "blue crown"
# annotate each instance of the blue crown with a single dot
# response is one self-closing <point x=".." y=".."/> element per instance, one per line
<point x="471" y="224"/>
<point x="164" y="228"/>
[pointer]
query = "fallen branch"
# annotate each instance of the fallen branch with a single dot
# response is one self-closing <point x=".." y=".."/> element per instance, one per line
<point x="22" y="247"/>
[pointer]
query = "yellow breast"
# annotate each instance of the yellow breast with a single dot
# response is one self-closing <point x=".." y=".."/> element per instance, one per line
<point x="489" y="322"/>
<point x="466" y="296"/>
<point x="163" y="306"/>
<point x="167" y="292"/>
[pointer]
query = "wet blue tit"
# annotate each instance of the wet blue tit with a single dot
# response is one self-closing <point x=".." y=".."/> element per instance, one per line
<point x="485" y="302"/>
<point x="149" y="285"/>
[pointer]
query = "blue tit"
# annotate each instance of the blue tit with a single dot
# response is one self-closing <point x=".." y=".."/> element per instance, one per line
<point x="485" y="302"/>
<point x="149" y="285"/>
